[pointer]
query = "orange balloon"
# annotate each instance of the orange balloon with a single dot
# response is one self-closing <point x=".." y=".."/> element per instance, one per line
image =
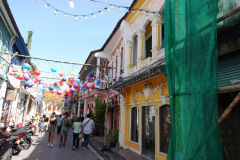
<point x="11" y="74"/>
<point x="61" y="75"/>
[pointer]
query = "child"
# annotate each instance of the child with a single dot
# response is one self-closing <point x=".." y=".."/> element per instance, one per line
<point x="77" y="130"/>
<point x="41" y="125"/>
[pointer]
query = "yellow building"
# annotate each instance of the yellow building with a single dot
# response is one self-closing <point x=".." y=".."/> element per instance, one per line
<point x="144" y="110"/>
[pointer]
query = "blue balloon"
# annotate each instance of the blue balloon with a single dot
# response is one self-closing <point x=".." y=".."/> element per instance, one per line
<point x="81" y="85"/>
<point x="84" y="89"/>
<point x="26" y="66"/>
<point x="77" y="81"/>
<point x="90" y="74"/>
<point x="98" y="84"/>
<point x="54" y="69"/>
<point x="24" y="80"/>
<point x="41" y="82"/>
<point x="51" y="88"/>
<point x="29" y="84"/>
<point x="64" y="79"/>
<point x="57" y="86"/>
<point x="44" y="89"/>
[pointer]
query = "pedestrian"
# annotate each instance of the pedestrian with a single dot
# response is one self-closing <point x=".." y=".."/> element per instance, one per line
<point x="51" y="125"/>
<point x="41" y="125"/>
<point x="88" y="126"/>
<point x="59" y="120"/>
<point x="77" y="130"/>
<point x="65" y="126"/>
<point x="35" y="122"/>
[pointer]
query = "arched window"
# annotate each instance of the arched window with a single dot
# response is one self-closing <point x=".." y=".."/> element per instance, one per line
<point x="148" y="44"/>
<point x="134" y="57"/>
<point x="164" y="128"/>
<point x="134" y="124"/>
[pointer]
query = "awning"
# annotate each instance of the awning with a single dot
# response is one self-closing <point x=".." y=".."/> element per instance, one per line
<point x="22" y="47"/>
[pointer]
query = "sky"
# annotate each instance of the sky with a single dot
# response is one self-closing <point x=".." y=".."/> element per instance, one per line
<point x="64" y="39"/>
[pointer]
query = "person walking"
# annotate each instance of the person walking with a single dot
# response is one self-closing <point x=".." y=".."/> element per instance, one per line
<point x="77" y="130"/>
<point x="88" y="126"/>
<point x="65" y="126"/>
<point x="35" y="122"/>
<point x="59" y="120"/>
<point x="51" y="125"/>
<point x="41" y="125"/>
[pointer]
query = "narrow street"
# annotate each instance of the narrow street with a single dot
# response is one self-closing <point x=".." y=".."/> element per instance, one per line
<point x="40" y="151"/>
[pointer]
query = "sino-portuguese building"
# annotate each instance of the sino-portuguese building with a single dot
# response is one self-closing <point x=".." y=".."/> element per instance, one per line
<point x="144" y="104"/>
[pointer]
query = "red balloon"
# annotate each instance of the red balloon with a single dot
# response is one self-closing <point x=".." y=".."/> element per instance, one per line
<point x="52" y="91"/>
<point x="87" y="87"/>
<point x="61" y="75"/>
<point x="20" y="76"/>
<point x="37" y="72"/>
<point x="93" y="87"/>
<point x="67" y="91"/>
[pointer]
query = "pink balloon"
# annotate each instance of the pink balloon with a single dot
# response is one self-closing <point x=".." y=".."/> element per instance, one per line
<point x="55" y="84"/>
<point x="38" y="79"/>
<point x="88" y="79"/>
<point x="70" y="79"/>
<point x="45" y="85"/>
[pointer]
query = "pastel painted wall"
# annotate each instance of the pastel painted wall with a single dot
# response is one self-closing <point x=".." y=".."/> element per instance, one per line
<point x="136" y="93"/>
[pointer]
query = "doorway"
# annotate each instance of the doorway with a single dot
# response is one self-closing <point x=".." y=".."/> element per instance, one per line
<point x="148" y="131"/>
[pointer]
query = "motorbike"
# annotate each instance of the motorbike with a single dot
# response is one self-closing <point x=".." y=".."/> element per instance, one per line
<point x="21" y="139"/>
<point x="5" y="145"/>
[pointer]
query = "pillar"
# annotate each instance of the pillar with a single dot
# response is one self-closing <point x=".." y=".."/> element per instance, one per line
<point x="121" y="120"/>
<point x="98" y="64"/>
<point x="141" y="50"/>
<point x="130" y="55"/>
<point x="85" y="108"/>
<point x="156" y="35"/>
<point x="118" y="53"/>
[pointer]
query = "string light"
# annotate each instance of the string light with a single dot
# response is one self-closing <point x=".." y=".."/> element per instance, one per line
<point x="70" y="4"/>
<point x="107" y="9"/>
<point x="46" y="6"/>
<point x="101" y="12"/>
<point x="55" y="12"/>
<point x="75" y="18"/>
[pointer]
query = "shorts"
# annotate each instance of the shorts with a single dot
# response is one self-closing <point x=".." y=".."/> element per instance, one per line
<point x="65" y="133"/>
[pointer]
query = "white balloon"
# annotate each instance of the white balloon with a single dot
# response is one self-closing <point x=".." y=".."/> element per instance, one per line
<point x="89" y="85"/>
<point x="40" y="86"/>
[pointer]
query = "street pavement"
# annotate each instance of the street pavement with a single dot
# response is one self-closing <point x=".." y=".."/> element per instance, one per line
<point x="40" y="151"/>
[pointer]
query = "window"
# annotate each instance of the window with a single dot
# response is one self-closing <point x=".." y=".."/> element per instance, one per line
<point x="164" y="128"/>
<point x="1" y="38"/>
<point x="163" y="44"/>
<point x="134" y="124"/>
<point x="149" y="47"/>
<point x="134" y="60"/>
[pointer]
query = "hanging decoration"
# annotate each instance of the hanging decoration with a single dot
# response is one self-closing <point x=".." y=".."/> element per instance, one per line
<point x="64" y="79"/>
<point x="51" y="88"/>
<point x="59" y="92"/>
<point x="29" y="84"/>
<point x="54" y="69"/>
<point x="90" y="74"/>
<point x="11" y="74"/>
<point x="26" y="66"/>
<point x="71" y="73"/>
<point x="93" y="14"/>
<point x="20" y="77"/>
<point x="77" y="81"/>
<point x="60" y="75"/>
<point x="37" y="72"/>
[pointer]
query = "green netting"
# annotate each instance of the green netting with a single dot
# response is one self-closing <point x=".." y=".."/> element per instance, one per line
<point x="191" y="61"/>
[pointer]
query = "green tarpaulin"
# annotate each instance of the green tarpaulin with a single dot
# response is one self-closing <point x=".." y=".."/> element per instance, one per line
<point x="191" y="61"/>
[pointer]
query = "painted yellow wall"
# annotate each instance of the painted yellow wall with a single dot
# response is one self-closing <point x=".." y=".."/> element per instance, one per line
<point x="128" y="105"/>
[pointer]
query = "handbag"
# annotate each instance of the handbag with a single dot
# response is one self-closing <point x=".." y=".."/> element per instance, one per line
<point x="81" y="133"/>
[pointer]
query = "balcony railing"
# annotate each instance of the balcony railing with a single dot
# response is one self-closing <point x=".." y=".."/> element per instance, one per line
<point x="132" y="70"/>
<point x="146" y="62"/>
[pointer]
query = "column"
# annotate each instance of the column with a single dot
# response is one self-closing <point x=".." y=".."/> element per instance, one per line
<point x="85" y="108"/>
<point x="98" y="71"/>
<point x="79" y="106"/>
<point x="141" y="47"/>
<point x="121" y="120"/>
<point x="118" y="53"/>
<point x="156" y="35"/>
<point x="129" y="56"/>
